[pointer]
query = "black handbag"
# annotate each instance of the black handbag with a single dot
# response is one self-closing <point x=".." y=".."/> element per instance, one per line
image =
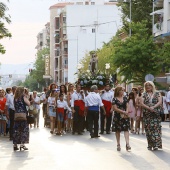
<point x="30" y="119"/>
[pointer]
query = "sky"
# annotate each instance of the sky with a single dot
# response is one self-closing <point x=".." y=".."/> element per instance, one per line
<point x="28" y="19"/>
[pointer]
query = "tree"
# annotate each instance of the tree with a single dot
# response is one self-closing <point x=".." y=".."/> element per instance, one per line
<point x="4" y="18"/>
<point x="35" y="80"/>
<point x="164" y="53"/>
<point x="140" y="11"/>
<point x="137" y="55"/>
<point x="39" y="66"/>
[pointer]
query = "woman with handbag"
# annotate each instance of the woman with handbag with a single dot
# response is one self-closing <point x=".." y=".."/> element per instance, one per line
<point x="121" y="120"/>
<point x="151" y="103"/>
<point x="21" y="128"/>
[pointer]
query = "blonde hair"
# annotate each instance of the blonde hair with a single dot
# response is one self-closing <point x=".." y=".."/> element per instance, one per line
<point x="152" y="84"/>
<point x="117" y="90"/>
<point x="19" y="92"/>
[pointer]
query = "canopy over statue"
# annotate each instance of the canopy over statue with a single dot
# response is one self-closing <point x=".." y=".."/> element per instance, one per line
<point x="93" y="63"/>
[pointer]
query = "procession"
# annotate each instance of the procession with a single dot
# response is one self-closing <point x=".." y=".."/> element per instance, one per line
<point x="84" y="84"/>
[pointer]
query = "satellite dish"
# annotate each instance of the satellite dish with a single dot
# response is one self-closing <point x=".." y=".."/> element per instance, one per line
<point x="149" y="77"/>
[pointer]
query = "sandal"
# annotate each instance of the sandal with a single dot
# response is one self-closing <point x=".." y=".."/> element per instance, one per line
<point x="118" y="148"/>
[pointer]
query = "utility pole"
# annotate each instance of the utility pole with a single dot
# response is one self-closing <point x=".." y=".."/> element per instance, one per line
<point x="130" y="30"/>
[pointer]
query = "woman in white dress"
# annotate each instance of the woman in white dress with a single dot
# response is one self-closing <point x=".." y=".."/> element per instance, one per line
<point x="164" y="105"/>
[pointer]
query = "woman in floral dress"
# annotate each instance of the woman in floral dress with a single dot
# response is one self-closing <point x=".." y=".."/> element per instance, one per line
<point x="21" y="128"/>
<point x="121" y="120"/>
<point x="151" y="114"/>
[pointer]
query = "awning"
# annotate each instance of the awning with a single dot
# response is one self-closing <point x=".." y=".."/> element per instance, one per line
<point x="161" y="11"/>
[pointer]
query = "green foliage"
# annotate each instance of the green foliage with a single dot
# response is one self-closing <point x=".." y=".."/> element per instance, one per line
<point x="36" y="76"/>
<point x="137" y="56"/>
<point x="140" y="11"/>
<point x="31" y="83"/>
<point x="4" y="18"/>
<point x="164" y="53"/>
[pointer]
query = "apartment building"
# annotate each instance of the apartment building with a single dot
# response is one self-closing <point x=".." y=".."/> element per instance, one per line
<point x="161" y="31"/>
<point x="43" y="38"/>
<point x="161" y="18"/>
<point x="76" y="28"/>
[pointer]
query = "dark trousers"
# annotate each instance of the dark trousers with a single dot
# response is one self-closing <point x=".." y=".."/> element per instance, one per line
<point x="11" y="118"/>
<point x="77" y="121"/>
<point x="93" y="118"/>
<point x="44" y="110"/>
<point x="108" y="122"/>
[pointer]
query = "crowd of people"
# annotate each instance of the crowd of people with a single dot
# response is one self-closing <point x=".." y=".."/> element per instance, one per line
<point x="72" y="110"/>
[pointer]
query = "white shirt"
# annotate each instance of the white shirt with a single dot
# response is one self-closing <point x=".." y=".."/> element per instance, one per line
<point x="168" y="100"/>
<point x="43" y="97"/>
<point x="37" y="99"/>
<point x="107" y="95"/>
<point x="10" y="101"/>
<point x="51" y="101"/>
<point x="76" y="96"/>
<point x="7" y="95"/>
<point x="63" y="104"/>
<point x="93" y="99"/>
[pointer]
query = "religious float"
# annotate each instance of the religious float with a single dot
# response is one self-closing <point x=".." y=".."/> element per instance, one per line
<point x="94" y="76"/>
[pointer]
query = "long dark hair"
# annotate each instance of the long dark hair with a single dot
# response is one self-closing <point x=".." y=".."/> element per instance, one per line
<point x="133" y="98"/>
<point x="65" y="89"/>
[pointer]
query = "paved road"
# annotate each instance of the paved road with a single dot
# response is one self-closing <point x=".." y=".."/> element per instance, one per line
<point x="68" y="152"/>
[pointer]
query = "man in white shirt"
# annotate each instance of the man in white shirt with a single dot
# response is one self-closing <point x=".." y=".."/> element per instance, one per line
<point x="36" y="104"/>
<point x="77" y="106"/>
<point x="10" y="101"/>
<point x="106" y="97"/>
<point x="93" y="103"/>
<point x="168" y="101"/>
<point x="43" y="99"/>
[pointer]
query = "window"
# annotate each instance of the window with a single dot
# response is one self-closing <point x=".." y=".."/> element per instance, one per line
<point x="84" y="31"/>
<point x="86" y="3"/>
<point x="79" y="3"/>
<point x="93" y="30"/>
<point x="66" y="79"/>
<point x="92" y="3"/>
<point x="64" y="19"/>
<point x="66" y="62"/>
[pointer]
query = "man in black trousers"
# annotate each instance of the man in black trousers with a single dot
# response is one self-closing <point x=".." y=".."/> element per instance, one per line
<point x="11" y="111"/>
<point x="93" y="103"/>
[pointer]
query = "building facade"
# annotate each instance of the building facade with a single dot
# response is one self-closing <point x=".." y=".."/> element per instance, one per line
<point x="161" y="20"/>
<point x="43" y="38"/>
<point x="75" y="29"/>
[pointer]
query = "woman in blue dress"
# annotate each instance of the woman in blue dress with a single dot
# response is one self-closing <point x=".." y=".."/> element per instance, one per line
<point x="21" y="128"/>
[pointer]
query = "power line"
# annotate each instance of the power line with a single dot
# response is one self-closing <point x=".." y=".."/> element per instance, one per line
<point x="90" y="25"/>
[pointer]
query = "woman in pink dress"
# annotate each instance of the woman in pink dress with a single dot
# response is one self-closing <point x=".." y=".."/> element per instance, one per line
<point x="132" y="110"/>
<point x="139" y="110"/>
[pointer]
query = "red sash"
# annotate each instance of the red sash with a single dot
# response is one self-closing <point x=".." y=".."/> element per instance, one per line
<point x="107" y="106"/>
<point x="60" y="110"/>
<point x="81" y="105"/>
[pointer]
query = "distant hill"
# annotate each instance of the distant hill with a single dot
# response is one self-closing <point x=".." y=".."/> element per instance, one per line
<point x="15" y="68"/>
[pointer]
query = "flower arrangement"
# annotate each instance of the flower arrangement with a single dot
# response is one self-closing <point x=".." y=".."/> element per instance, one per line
<point x="87" y="79"/>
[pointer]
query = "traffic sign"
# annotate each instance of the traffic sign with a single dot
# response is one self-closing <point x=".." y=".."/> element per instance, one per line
<point x="149" y="77"/>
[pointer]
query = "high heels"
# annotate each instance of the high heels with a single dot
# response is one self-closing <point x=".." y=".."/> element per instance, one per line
<point x="23" y="147"/>
<point x="16" y="148"/>
<point x="118" y="148"/>
<point x="128" y="147"/>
